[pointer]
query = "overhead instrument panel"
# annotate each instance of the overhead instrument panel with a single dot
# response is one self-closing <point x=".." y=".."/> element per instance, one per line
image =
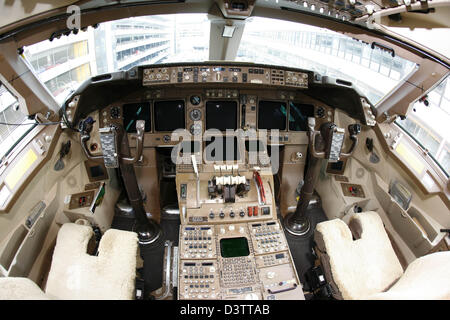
<point x="224" y="74"/>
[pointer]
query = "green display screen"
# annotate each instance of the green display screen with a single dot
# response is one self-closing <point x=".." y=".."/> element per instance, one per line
<point x="234" y="247"/>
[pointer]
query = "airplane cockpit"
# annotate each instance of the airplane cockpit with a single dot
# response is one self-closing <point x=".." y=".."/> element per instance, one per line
<point x="288" y="158"/>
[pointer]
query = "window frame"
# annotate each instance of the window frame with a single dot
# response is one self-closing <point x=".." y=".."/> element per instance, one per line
<point x="5" y="156"/>
<point x="427" y="153"/>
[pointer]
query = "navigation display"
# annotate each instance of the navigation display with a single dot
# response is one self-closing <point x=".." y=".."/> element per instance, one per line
<point x="169" y="115"/>
<point x="136" y="111"/>
<point x="272" y="115"/>
<point x="298" y="116"/>
<point x="221" y="115"/>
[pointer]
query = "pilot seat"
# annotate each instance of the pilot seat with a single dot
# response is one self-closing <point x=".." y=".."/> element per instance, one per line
<point x="77" y="275"/>
<point x="360" y="263"/>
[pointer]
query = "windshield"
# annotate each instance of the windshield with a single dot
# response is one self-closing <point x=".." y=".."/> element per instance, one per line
<point x="372" y="71"/>
<point x="431" y="38"/>
<point x="428" y="124"/>
<point x="65" y="63"/>
<point x="13" y="123"/>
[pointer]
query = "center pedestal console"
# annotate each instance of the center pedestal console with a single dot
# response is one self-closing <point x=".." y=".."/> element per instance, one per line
<point x="231" y="244"/>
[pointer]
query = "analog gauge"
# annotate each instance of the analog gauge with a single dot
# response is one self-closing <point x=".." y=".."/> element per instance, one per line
<point x="195" y="115"/>
<point x="196" y="129"/>
<point x="195" y="100"/>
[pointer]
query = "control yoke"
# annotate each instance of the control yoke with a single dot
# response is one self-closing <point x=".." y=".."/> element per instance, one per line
<point x="324" y="144"/>
<point x="109" y="141"/>
<point x="116" y="154"/>
<point x="333" y="139"/>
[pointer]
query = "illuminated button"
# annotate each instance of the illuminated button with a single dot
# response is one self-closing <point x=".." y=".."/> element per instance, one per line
<point x="250" y="211"/>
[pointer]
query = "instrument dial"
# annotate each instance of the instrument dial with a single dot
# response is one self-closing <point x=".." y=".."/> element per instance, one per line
<point x="195" y="100"/>
<point x="196" y="129"/>
<point x="195" y="115"/>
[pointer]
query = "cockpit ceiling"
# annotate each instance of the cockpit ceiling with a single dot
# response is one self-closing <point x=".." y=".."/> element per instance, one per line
<point x="362" y="10"/>
<point x="353" y="11"/>
<point x="15" y="11"/>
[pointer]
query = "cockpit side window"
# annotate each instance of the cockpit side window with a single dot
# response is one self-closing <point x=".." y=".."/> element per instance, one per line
<point x="428" y="121"/>
<point x="14" y="125"/>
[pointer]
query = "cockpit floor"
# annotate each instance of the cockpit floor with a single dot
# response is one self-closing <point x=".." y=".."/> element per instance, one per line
<point x="153" y="255"/>
<point x="301" y="247"/>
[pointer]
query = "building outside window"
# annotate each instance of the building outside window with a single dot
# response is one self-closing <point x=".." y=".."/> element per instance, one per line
<point x="10" y="114"/>
<point x="428" y="125"/>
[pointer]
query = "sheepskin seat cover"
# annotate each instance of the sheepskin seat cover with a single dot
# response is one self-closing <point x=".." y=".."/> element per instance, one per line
<point x="110" y="275"/>
<point x="426" y="278"/>
<point x="357" y="268"/>
<point x="16" y="288"/>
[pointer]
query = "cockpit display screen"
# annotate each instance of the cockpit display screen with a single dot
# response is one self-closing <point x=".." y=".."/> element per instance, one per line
<point x="221" y="115"/>
<point x="272" y="115"/>
<point x="169" y="115"/>
<point x="234" y="247"/>
<point x="298" y="116"/>
<point x="136" y="111"/>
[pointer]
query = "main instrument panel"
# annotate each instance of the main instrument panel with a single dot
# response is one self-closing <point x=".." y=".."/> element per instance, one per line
<point x="280" y="112"/>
